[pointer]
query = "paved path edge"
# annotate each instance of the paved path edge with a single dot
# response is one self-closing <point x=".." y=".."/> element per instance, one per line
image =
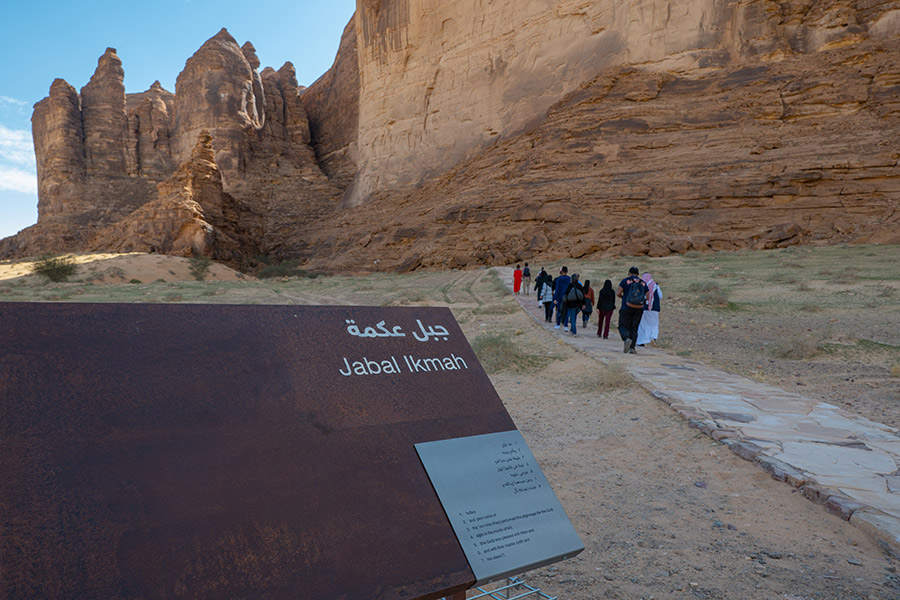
<point x="884" y="528"/>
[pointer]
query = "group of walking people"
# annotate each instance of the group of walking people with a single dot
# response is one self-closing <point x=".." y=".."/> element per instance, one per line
<point x="568" y="298"/>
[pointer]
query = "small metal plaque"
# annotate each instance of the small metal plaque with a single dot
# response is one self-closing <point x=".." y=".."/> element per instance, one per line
<point x="501" y="507"/>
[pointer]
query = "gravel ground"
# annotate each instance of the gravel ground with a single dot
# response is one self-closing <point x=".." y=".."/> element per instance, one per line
<point x="663" y="511"/>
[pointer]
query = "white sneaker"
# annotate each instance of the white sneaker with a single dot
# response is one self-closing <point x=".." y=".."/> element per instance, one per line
<point x="556" y="327"/>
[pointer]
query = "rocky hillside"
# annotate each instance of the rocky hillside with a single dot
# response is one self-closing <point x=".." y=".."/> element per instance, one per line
<point x="798" y="151"/>
<point x="457" y="135"/>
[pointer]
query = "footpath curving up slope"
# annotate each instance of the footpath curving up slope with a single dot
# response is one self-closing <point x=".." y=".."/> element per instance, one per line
<point x="847" y="463"/>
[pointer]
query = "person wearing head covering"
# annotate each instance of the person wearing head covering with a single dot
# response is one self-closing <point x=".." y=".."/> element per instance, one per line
<point x="542" y="278"/>
<point x="545" y="297"/>
<point x="517" y="280"/>
<point x="648" y="330"/>
<point x="606" y="306"/>
<point x="588" y="307"/>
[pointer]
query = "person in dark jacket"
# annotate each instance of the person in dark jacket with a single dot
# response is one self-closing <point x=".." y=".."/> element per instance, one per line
<point x="588" y="306"/>
<point x="634" y="294"/>
<point x="560" y="285"/>
<point x="545" y="297"/>
<point x="573" y="300"/>
<point x="539" y="281"/>
<point x="606" y="306"/>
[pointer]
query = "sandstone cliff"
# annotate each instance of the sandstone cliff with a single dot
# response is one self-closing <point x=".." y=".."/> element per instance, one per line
<point x="444" y="80"/>
<point x="192" y="216"/>
<point x="103" y="156"/>
<point x="466" y="132"/>
<point x="798" y="151"/>
<point x="332" y="103"/>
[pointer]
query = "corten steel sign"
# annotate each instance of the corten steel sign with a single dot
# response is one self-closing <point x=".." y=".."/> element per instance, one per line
<point x="199" y="451"/>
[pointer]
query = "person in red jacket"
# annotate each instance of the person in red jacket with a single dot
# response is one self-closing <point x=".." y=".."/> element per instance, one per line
<point x="517" y="280"/>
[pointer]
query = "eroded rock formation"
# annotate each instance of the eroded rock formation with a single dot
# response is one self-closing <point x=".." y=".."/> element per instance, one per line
<point x="192" y="215"/>
<point x="466" y="133"/>
<point x="107" y="161"/>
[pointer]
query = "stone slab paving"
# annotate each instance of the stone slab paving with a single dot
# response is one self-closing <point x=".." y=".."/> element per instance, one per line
<point x="848" y="463"/>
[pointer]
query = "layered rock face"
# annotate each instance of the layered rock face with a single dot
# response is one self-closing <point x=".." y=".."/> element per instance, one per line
<point x="332" y="104"/>
<point x="797" y="151"/>
<point x="192" y="216"/>
<point x="467" y="132"/>
<point x="444" y="80"/>
<point x="105" y="159"/>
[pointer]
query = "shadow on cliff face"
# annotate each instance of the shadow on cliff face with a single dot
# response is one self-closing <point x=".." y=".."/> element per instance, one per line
<point x="638" y="163"/>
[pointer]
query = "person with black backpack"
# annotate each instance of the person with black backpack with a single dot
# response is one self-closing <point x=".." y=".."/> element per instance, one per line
<point x="574" y="300"/>
<point x="634" y="294"/>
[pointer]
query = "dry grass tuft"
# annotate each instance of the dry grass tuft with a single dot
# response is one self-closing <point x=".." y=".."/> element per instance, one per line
<point x="709" y="294"/>
<point x="610" y="376"/>
<point x="798" y="347"/>
<point x="498" y="352"/>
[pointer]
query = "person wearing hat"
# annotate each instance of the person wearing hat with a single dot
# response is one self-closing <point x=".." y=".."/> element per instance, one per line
<point x="634" y="294"/>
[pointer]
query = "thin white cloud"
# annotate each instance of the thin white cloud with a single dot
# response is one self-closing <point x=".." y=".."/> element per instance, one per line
<point x="13" y="101"/>
<point x="18" y="180"/>
<point x="16" y="147"/>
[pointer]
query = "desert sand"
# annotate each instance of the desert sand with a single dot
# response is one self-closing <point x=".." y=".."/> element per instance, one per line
<point x="663" y="511"/>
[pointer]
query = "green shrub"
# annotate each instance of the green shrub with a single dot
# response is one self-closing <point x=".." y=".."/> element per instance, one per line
<point x="200" y="267"/>
<point x="55" y="268"/>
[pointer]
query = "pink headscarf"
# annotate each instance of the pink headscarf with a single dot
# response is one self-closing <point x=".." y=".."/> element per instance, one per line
<point x="651" y="285"/>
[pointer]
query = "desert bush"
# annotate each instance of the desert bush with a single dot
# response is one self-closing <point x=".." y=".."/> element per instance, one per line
<point x="498" y="352"/>
<point x="288" y="268"/>
<point x="610" y="376"/>
<point x="798" y="347"/>
<point x="200" y="267"/>
<point x="848" y="275"/>
<point x="709" y="294"/>
<point x="55" y="268"/>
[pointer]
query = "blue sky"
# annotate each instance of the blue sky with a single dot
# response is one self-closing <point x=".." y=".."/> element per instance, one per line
<point x="45" y="40"/>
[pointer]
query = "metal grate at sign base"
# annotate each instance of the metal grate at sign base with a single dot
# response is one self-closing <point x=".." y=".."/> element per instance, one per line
<point x="512" y="589"/>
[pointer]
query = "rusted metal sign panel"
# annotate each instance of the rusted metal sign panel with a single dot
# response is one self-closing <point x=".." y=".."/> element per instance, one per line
<point x="200" y="451"/>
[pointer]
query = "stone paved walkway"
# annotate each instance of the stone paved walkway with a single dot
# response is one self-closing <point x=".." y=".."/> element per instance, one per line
<point x="847" y="463"/>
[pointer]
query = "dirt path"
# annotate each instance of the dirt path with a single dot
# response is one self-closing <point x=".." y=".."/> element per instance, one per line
<point x="664" y="511"/>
